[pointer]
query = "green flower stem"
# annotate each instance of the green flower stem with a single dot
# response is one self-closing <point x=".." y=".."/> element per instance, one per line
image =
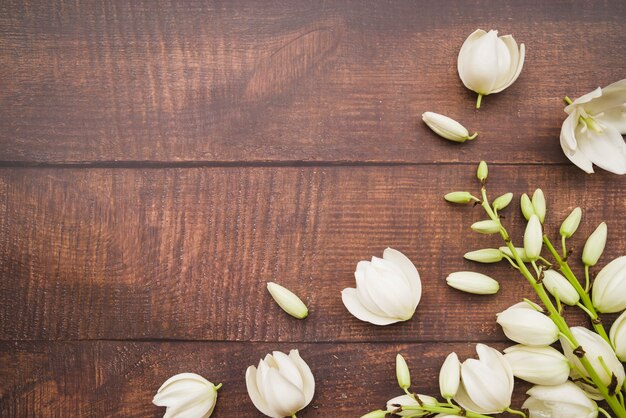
<point x="443" y="409"/>
<point x="584" y="296"/>
<point x="516" y="412"/>
<point x="553" y="313"/>
<point x="479" y="100"/>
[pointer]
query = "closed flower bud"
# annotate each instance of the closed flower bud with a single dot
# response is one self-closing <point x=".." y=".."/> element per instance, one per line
<point x="288" y="301"/>
<point x="609" y="287"/>
<point x="503" y="201"/>
<point x="483" y="171"/>
<point x="618" y="336"/>
<point x="450" y="376"/>
<point x="539" y="204"/>
<point x="459" y="197"/>
<point x="187" y="394"/>
<point x="446" y="127"/>
<point x="523" y="324"/>
<point x="594" y="247"/>
<point x="486" y="227"/>
<point x="402" y="372"/>
<point x="376" y="414"/>
<point x="558" y="286"/>
<point x="526" y="206"/>
<point x="406" y="400"/>
<point x="520" y="252"/>
<point x="533" y="238"/>
<point x="562" y="401"/>
<point x="486" y="255"/>
<point x="471" y="282"/>
<point x="538" y="365"/>
<point x="599" y="353"/>
<point x="570" y="224"/>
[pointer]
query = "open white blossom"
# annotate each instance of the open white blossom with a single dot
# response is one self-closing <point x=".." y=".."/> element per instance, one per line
<point x="592" y="133"/>
<point x="187" y="395"/>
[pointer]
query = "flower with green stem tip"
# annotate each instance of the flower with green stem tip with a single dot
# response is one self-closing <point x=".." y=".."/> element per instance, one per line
<point x="460" y="197"/>
<point x="523" y="324"/>
<point x="447" y="127"/>
<point x="288" y="301"/>
<point x="486" y="255"/>
<point x="502" y="202"/>
<point x="486" y="227"/>
<point x="472" y="282"/>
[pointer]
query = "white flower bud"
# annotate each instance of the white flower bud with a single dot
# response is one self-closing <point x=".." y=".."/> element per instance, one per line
<point x="539" y="204"/>
<point x="599" y="353"/>
<point x="486" y="227"/>
<point x="618" y="336"/>
<point x="538" y="365"/>
<point x="406" y="400"/>
<point x="533" y="238"/>
<point x="558" y="286"/>
<point x="376" y="414"/>
<point x="562" y="401"/>
<point x="459" y="197"/>
<point x="526" y="206"/>
<point x="472" y="282"/>
<point x="450" y="376"/>
<point x="288" y="301"/>
<point x="594" y="247"/>
<point x="447" y="127"/>
<point x="486" y="255"/>
<point x="609" y="287"/>
<point x="503" y="201"/>
<point x="570" y="224"/>
<point x="187" y="394"/>
<point x="488" y="64"/>
<point x="523" y="324"/>
<point x="483" y="171"/>
<point x="520" y="252"/>
<point x="403" y="373"/>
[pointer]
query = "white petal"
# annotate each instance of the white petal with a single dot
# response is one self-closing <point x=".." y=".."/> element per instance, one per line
<point x="484" y="387"/>
<point x="481" y="66"/>
<point x="517" y="56"/>
<point x="613" y="95"/>
<point x="390" y="291"/>
<point x="615" y="117"/>
<point x="305" y="373"/>
<point x="607" y="149"/>
<point x="362" y="292"/>
<point x="255" y="395"/>
<point x="283" y="396"/>
<point x="463" y="399"/>
<point x="498" y="364"/>
<point x="583" y="100"/>
<point x="409" y="270"/>
<point x="356" y="308"/>
<point x="288" y="369"/>
<point x="464" y="57"/>
<point x="568" y="138"/>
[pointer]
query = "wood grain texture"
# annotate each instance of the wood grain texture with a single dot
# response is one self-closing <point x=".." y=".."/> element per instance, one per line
<point x="96" y="379"/>
<point x="186" y="253"/>
<point x="334" y="81"/>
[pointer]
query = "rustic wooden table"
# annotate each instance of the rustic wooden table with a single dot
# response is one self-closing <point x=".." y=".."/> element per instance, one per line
<point x="161" y="161"/>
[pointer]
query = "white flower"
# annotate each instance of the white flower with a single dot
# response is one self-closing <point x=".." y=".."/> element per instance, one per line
<point x="403" y="374"/>
<point x="533" y="238"/>
<point x="594" y="246"/>
<point x="570" y="224"/>
<point x="487" y="383"/>
<point x="618" y="336"/>
<point x="597" y="351"/>
<point x="538" y="365"/>
<point x="288" y="300"/>
<point x="609" y="287"/>
<point x="563" y="401"/>
<point x="187" y="395"/>
<point x="592" y="133"/>
<point x="486" y="255"/>
<point x="488" y="64"/>
<point x="387" y="290"/>
<point x="523" y="324"/>
<point x="472" y="282"/>
<point x="282" y="385"/>
<point x="447" y="127"/>
<point x="450" y="376"/>
<point x="539" y="204"/>
<point x="406" y="400"/>
<point x="558" y="286"/>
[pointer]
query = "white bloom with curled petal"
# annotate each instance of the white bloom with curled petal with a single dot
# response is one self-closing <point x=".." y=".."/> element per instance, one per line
<point x="487" y="383"/>
<point x="488" y="64"/>
<point x="281" y="385"/>
<point x="187" y="395"/>
<point x="524" y="324"/>
<point x="387" y="289"/>
<point x="592" y="133"/>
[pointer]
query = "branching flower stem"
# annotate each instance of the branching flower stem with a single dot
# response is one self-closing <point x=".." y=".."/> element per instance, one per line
<point x="553" y="313"/>
<point x="444" y="409"/>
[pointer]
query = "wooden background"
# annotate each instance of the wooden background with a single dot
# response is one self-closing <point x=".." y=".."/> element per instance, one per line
<point x="160" y="161"/>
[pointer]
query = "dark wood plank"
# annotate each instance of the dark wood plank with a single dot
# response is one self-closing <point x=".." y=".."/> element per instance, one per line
<point x="174" y="81"/>
<point x="96" y="379"/>
<point x="186" y="253"/>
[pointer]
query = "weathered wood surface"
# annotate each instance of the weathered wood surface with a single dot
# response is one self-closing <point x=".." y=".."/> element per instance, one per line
<point x="210" y="147"/>
<point x="288" y="80"/>
<point x="111" y="378"/>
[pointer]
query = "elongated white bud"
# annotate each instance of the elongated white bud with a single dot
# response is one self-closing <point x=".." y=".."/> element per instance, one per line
<point x="503" y="201"/>
<point x="539" y="204"/>
<point x="450" y="376"/>
<point x="447" y="127"/>
<point x="403" y="374"/>
<point x="533" y="238"/>
<point x="558" y="286"/>
<point x="520" y="251"/>
<point x="459" y="197"/>
<point x="570" y="224"/>
<point x="486" y="227"/>
<point x="288" y="301"/>
<point x="472" y="282"/>
<point x="482" y="172"/>
<point x="486" y="255"/>
<point x="594" y="247"/>
<point x="526" y="206"/>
